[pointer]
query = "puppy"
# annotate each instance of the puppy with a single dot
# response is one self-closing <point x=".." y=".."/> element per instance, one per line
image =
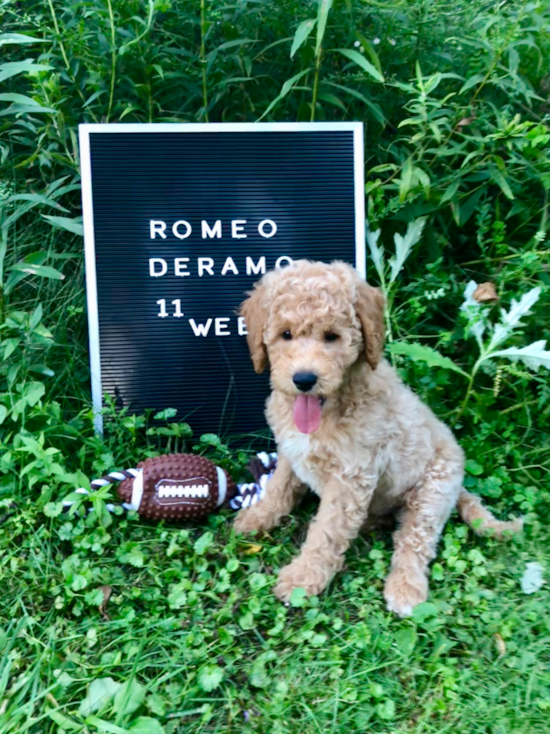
<point x="350" y="430"/>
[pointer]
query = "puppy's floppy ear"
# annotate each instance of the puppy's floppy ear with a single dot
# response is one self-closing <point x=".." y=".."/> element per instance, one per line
<point x="254" y="310"/>
<point x="370" y="311"/>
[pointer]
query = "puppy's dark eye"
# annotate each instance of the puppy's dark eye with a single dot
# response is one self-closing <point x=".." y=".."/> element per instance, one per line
<point x="286" y="335"/>
<point x="330" y="336"/>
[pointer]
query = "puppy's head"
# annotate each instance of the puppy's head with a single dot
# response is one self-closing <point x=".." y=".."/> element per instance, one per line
<point x="311" y="322"/>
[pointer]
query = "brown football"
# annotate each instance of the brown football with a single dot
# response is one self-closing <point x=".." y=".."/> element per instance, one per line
<point x="177" y="487"/>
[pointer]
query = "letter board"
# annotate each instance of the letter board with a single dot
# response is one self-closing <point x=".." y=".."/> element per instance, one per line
<point x="180" y="220"/>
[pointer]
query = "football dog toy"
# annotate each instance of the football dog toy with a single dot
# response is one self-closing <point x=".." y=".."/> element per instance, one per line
<point x="176" y="487"/>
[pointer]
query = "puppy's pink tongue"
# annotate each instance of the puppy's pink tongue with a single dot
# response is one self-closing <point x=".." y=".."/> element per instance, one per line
<point x="307" y="413"/>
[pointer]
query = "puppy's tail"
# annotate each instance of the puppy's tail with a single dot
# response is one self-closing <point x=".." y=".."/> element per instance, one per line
<point x="470" y="509"/>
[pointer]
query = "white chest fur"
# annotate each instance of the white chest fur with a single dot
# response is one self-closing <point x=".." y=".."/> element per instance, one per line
<point x="299" y="448"/>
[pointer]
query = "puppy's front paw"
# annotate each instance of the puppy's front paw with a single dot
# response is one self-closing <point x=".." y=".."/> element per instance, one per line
<point x="299" y="575"/>
<point x="403" y="591"/>
<point x="253" y="519"/>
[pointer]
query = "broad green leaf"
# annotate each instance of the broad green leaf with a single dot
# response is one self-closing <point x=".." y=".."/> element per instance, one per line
<point x="500" y="180"/>
<point x="130" y="553"/>
<point x="468" y="207"/>
<point x="451" y="191"/>
<point x="473" y="467"/>
<point x="404" y="245"/>
<point x="100" y="693"/>
<point x="419" y="353"/>
<point x="3" y="413"/>
<point x="322" y="15"/>
<point x="146" y="725"/>
<point x="36" y="199"/>
<point x="128" y="698"/>
<point x="165" y="414"/>
<point x="105" y="727"/>
<point x="471" y="82"/>
<point x="22" y="103"/>
<point x="386" y="710"/>
<point x="19" y="99"/>
<point x="33" y="392"/>
<point x="376" y="252"/>
<point x="71" y="225"/>
<point x="362" y="62"/>
<point x="177" y="597"/>
<point x="62" y="721"/>
<point x="332" y="99"/>
<point x="424" y="611"/>
<point x="373" y="106"/>
<point x="302" y="34"/>
<point x="36" y="317"/>
<point x="535" y="355"/>
<point x="10" y="345"/>
<point x="369" y="49"/>
<point x="298" y="597"/>
<point x="210" y="677"/>
<point x="12" y="68"/>
<point x="285" y="89"/>
<point x="203" y="543"/>
<point x="442" y="645"/>
<point x="43" y="271"/>
<point x="406" y="179"/>
<point x="406" y="640"/>
<point x="19" y="38"/>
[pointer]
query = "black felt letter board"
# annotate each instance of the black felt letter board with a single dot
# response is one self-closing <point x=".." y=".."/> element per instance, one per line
<point x="180" y="221"/>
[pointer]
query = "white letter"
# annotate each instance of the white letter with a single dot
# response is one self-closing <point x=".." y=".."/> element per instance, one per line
<point x="216" y="230"/>
<point x="241" y="326"/>
<point x="157" y="226"/>
<point x="200" y="329"/>
<point x="205" y="264"/>
<point x="162" y="303"/>
<point x="279" y="261"/>
<point x="258" y="269"/>
<point x="219" y="326"/>
<point x="230" y="265"/>
<point x="237" y="228"/>
<point x="176" y="232"/>
<point x="164" y="267"/>
<point x="180" y="266"/>
<point x="271" y="224"/>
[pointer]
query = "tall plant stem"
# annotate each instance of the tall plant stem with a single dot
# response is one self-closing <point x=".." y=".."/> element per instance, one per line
<point x="203" y="60"/>
<point x="316" y="84"/>
<point x="64" y="54"/>
<point x="468" y="393"/>
<point x="113" y="60"/>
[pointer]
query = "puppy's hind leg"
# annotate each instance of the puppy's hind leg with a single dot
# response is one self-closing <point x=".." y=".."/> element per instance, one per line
<point x="283" y="491"/>
<point x="427" y="509"/>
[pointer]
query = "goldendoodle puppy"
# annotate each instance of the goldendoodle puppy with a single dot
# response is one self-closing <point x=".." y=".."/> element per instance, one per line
<point x="349" y="429"/>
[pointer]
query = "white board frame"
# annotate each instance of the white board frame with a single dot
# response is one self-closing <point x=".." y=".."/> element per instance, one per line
<point x="84" y="131"/>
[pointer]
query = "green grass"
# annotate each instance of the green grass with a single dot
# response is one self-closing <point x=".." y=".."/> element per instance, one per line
<point x="192" y="620"/>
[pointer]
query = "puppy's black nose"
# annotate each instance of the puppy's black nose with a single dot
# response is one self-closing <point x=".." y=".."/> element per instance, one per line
<point x="304" y="381"/>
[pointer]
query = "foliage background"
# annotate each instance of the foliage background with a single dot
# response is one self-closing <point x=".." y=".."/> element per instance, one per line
<point x="113" y="625"/>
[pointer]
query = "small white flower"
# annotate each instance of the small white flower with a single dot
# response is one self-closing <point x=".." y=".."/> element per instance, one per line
<point x="376" y="41"/>
<point x="356" y="44"/>
<point x="393" y="41"/>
